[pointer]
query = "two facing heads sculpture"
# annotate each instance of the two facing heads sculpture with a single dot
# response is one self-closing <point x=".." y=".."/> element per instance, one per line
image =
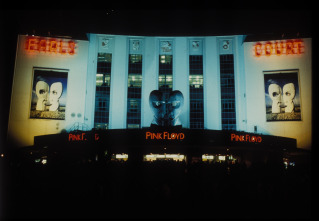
<point x="286" y="95"/>
<point x="48" y="96"/>
<point x="166" y="107"/>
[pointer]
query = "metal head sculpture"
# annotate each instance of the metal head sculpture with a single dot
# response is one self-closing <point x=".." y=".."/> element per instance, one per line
<point x="166" y="109"/>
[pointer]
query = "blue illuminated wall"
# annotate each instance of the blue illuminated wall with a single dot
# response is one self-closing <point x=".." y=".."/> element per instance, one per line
<point x="179" y="50"/>
<point x="86" y="78"/>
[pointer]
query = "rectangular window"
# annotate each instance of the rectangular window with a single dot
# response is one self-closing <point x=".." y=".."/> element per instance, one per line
<point x="165" y="76"/>
<point x="227" y="85"/>
<point x="102" y="95"/>
<point x="196" y="91"/>
<point x="134" y="91"/>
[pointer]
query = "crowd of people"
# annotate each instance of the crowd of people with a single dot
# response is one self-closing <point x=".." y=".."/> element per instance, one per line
<point x="158" y="189"/>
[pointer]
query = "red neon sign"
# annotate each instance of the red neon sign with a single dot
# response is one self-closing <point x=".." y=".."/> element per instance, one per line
<point x="164" y="136"/>
<point x="245" y="138"/>
<point x="81" y="137"/>
<point x="288" y="47"/>
<point x="50" y="45"/>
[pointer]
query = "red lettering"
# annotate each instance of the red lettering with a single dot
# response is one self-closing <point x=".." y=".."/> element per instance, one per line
<point x="32" y="44"/>
<point x="245" y="138"/>
<point x="53" y="46"/>
<point x="268" y="48"/>
<point x="63" y="47"/>
<point x="258" y="50"/>
<point x="232" y="136"/>
<point x="289" y="47"/>
<point x="83" y="138"/>
<point x="71" y="47"/>
<point x="148" y="134"/>
<point x="43" y="45"/>
<point x="50" y="45"/>
<point x="298" y="47"/>
<point x="165" y="135"/>
<point x="77" y="137"/>
<point x="253" y="138"/>
<point x="279" y="48"/>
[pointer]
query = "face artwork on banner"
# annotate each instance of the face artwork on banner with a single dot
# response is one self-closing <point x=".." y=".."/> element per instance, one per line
<point x="49" y="90"/>
<point x="282" y="96"/>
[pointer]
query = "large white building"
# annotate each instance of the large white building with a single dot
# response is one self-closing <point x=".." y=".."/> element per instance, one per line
<point x="106" y="82"/>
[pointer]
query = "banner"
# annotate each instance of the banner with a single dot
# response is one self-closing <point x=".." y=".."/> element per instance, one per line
<point x="282" y="96"/>
<point x="49" y="90"/>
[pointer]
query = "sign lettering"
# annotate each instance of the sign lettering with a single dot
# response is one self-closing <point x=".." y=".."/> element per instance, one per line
<point x="82" y="137"/>
<point x="164" y="136"/>
<point x="288" y="47"/>
<point x="245" y="138"/>
<point x="50" y="45"/>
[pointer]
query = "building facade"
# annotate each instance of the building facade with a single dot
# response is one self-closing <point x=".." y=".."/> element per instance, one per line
<point x="228" y="83"/>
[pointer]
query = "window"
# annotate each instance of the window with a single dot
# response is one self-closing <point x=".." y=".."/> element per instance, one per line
<point x="227" y="92"/>
<point x="134" y="91"/>
<point x="102" y="96"/>
<point x="196" y="91"/>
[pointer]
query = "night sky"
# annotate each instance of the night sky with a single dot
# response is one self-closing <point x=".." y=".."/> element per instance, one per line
<point x="187" y="19"/>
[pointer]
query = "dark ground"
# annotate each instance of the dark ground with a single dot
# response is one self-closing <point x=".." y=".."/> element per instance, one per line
<point x="162" y="189"/>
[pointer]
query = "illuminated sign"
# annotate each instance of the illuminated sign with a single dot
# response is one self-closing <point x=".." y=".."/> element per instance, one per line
<point x="81" y="137"/>
<point x="50" y="45"/>
<point x="245" y="138"/>
<point x="164" y="136"/>
<point x="287" y="47"/>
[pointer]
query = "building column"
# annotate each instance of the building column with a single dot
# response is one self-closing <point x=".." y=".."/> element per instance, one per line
<point x="118" y="95"/>
<point x="181" y="76"/>
<point x="150" y="78"/>
<point x="212" y="104"/>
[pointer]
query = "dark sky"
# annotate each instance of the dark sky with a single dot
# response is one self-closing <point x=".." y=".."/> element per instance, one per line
<point x="221" y="21"/>
<point x="169" y="20"/>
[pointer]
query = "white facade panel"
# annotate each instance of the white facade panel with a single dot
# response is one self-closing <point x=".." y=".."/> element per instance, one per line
<point x="22" y="128"/>
<point x="255" y="93"/>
